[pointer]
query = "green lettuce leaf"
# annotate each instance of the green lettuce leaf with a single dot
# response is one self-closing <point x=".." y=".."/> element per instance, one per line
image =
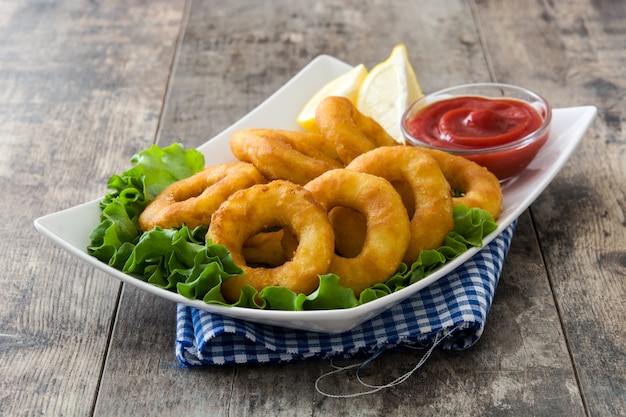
<point x="154" y="169"/>
<point x="329" y="295"/>
<point x="180" y="260"/>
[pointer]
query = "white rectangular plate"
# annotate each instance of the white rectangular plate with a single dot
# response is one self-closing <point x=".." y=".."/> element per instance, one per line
<point x="70" y="228"/>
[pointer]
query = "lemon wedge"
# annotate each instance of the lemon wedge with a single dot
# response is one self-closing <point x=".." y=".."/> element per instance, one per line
<point x="387" y="91"/>
<point x="346" y="85"/>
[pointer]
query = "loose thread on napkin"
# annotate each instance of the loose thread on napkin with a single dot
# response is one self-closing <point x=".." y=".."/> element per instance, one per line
<point x="363" y="365"/>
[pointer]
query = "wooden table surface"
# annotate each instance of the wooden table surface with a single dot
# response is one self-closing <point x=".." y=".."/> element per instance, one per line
<point x="84" y="85"/>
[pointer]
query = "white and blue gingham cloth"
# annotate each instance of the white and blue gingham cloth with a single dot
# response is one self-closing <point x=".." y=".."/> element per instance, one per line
<point x="456" y="306"/>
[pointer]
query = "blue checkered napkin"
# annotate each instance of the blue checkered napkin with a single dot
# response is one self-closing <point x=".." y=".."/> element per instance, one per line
<point x="456" y="305"/>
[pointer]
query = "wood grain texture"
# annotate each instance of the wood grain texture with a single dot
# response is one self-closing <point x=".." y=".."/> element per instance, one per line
<point x="81" y="90"/>
<point x="573" y="53"/>
<point x="232" y="57"/>
<point x="236" y="55"/>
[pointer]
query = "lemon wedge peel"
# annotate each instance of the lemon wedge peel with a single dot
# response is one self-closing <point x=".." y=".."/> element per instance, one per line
<point x="387" y="91"/>
<point x="346" y="85"/>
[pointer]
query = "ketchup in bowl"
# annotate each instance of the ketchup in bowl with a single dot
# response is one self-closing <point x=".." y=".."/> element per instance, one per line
<point x="498" y="126"/>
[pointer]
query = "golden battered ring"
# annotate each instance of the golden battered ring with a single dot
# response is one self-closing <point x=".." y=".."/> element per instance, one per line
<point x="282" y="154"/>
<point x="387" y="225"/>
<point x="276" y="204"/>
<point x="432" y="217"/>
<point x="192" y="201"/>
<point x="479" y="187"/>
<point x="351" y="132"/>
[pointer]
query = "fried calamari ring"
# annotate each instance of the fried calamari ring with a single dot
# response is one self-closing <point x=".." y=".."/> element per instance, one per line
<point x="478" y="186"/>
<point x="317" y="141"/>
<point x="431" y="218"/>
<point x="281" y="154"/>
<point x="350" y="225"/>
<point x="387" y="224"/>
<point x="261" y="207"/>
<point x="192" y="201"/>
<point x="352" y="132"/>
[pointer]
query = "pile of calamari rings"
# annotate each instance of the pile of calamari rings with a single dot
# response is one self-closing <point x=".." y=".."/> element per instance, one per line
<point x="349" y="200"/>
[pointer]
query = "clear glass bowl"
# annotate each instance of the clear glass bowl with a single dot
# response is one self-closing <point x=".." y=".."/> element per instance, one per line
<point x="503" y="160"/>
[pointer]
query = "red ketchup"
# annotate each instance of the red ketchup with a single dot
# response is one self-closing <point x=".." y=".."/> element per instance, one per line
<point x="471" y="123"/>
